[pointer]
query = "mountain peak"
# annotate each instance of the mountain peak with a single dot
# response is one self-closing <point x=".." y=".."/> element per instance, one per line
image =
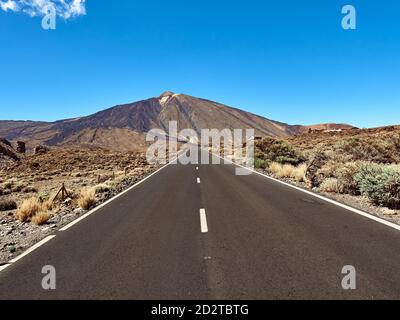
<point x="166" y="94"/>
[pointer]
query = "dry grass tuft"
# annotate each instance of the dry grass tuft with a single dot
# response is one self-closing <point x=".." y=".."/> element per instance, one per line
<point x="330" y="185"/>
<point x="28" y="209"/>
<point x="288" y="171"/>
<point x="47" y="205"/>
<point x="41" y="217"/>
<point x="87" y="198"/>
<point x="101" y="188"/>
<point x="299" y="172"/>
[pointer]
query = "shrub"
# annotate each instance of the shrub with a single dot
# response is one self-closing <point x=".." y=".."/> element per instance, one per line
<point x="119" y="173"/>
<point x="299" y="172"/>
<point x="317" y="161"/>
<point x="87" y="198"/>
<point x="381" y="148"/>
<point x="41" y="217"/>
<point x="288" y="171"/>
<point x="275" y="167"/>
<point x="18" y="186"/>
<point x="6" y="205"/>
<point x="259" y="163"/>
<point x="29" y="189"/>
<point x="346" y="177"/>
<point x="380" y="183"/>
<point x="28" y="209"/>
<point x="330" y="185"/>
<point x="101" y="188"/>
<point x="275" y="150"/>
<point x="47" y="205"/>
<point x="281" y="170"/>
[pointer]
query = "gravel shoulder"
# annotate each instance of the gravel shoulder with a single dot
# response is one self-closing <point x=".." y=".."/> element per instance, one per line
<point x="40" y="176"/>
<point x="357" y="202"/>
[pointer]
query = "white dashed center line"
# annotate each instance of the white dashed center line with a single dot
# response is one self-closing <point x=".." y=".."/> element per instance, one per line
<point x="203" y="221"/>
<point x="198" y="180"/>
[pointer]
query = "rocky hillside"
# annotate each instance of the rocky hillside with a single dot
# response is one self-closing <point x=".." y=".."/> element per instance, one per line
<point x="123" y="127"/>
<point x="7" y="153"/>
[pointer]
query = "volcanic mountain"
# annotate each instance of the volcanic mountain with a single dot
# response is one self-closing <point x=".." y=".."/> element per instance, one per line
<point x="123" y="127"/>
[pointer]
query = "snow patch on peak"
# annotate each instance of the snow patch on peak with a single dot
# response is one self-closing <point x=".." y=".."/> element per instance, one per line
<point x="166" y="94"/>
<point x="163" y="100"/>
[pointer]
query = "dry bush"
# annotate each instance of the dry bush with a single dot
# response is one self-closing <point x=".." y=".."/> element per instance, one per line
<point x="87" y="198"/>
<point x="29" y="189"/>
<point x="28" y="209"/>
<point x="289" y="171"/>
<point x="299" y="172"/>
<point x="330" y="185"/>
<point x="276" y="150"/>
<point x="101" y="188"/>
<point x="6" y="205"/>
<point x="18" y="186"/>
<point x="47" y="205"/>
<point x="346" y="177"/>
<point x="41" y="217"/>
<point x="281" y="170"/>
<point x="275" y="167"/>
<point x="116" y="182"/>
<point x="119" y="173"/>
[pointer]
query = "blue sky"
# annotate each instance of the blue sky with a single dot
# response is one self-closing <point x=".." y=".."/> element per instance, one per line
<point x="288" y="60"/>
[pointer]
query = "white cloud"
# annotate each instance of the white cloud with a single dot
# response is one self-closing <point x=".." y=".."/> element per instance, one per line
<point x="65" y="8"/>
<point x="8" y="5"/>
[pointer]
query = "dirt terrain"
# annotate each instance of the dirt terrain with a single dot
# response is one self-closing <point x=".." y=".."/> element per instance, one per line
<point x="359" y="167"/>
<point x="90" y="177"/>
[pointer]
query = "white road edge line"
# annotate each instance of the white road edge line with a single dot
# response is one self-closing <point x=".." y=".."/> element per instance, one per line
<point x="4" y="267"/>
<point x="360" y="212"/>
<point x="113" y="198"/>
<point x="25" y="253"/>
<point x="198" y="180"/>
<point x="203" y="221"/>
<point x="48" y="238"/>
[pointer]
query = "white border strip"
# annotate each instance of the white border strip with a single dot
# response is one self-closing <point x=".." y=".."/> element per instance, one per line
<point x="48" y="238"/>
<point x="360" y="212"/>
<point x="115" y="197"/>
<point x="34" y="247"/>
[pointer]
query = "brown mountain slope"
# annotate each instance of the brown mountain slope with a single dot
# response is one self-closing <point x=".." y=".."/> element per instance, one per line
<point x="123" y="127"/>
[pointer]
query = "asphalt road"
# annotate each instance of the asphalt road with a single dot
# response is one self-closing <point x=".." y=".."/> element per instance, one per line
<point x="264" y="240"/>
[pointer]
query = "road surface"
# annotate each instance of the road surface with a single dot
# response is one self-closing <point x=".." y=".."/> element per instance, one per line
<point x="201" y="232"/>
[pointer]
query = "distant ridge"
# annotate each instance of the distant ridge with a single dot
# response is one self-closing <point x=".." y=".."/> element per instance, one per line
<point x="123" y="127"/>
